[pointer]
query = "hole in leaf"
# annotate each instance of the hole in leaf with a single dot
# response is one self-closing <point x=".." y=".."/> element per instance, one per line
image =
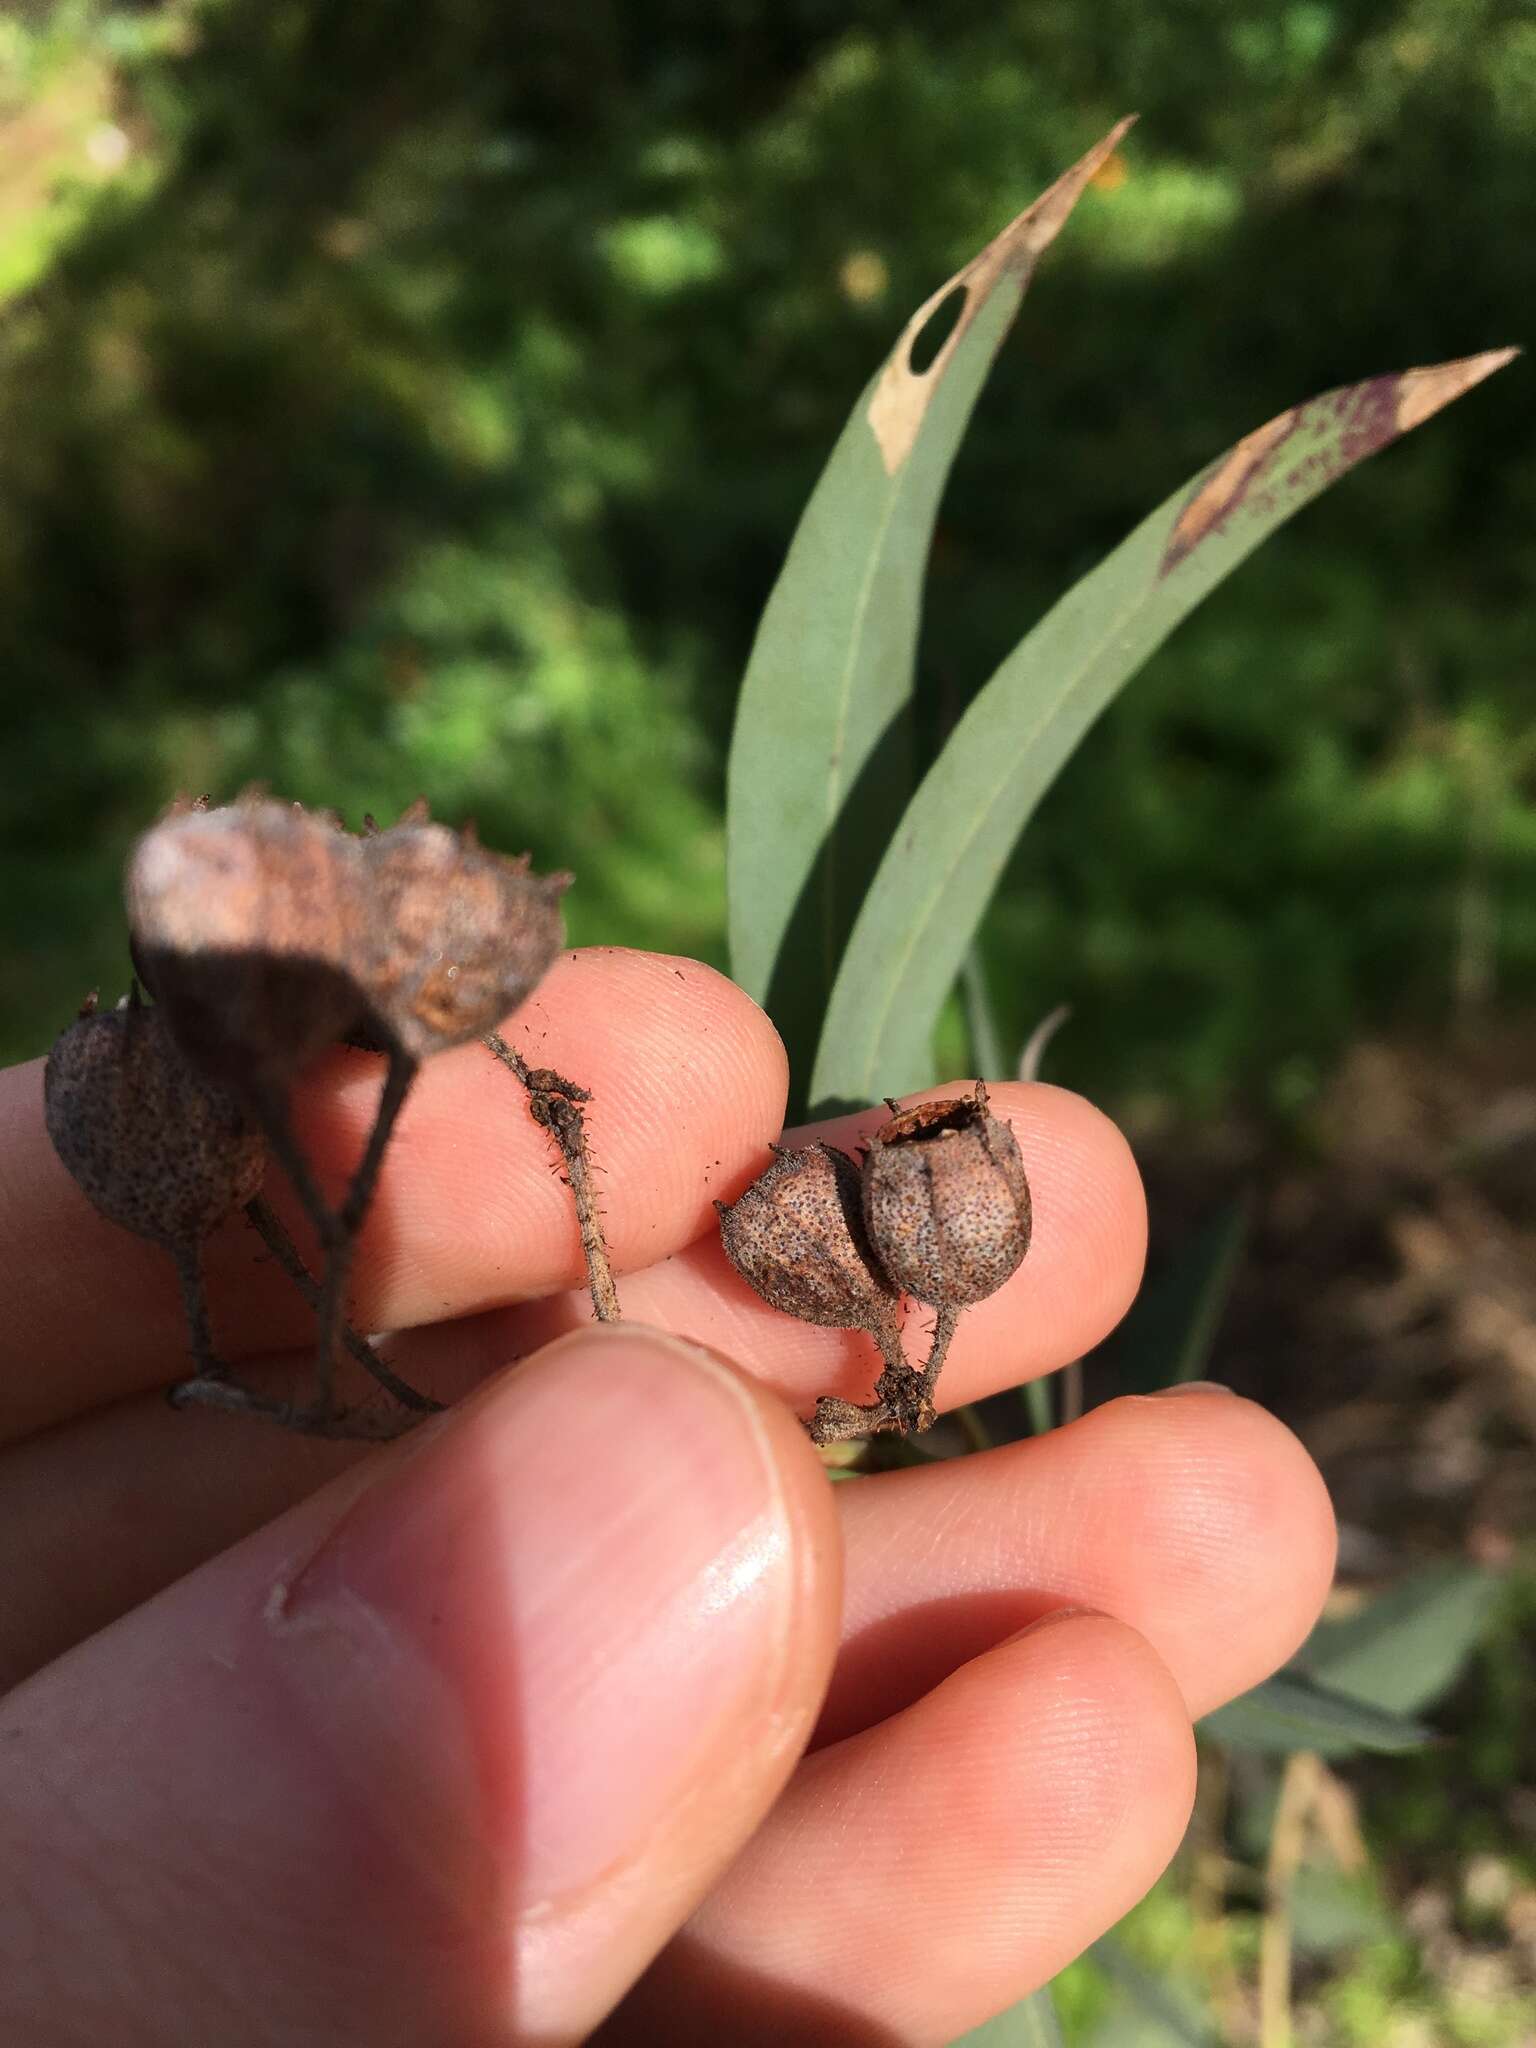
<point x="935" y="331"/>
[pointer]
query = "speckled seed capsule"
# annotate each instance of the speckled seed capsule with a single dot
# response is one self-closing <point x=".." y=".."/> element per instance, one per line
<point x="459" y="936"/>
<point x="155" y="1147"/>
<point x="946" y="1201"/>
<point x="797" y="1237"/>
<point x="248" y="923"/>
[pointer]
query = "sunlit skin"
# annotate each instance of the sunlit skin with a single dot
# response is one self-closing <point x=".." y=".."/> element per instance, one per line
<point x="592" y="1705"/>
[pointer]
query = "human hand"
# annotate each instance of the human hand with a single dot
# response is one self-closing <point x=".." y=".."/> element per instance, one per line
<point x="500" y="1735"/>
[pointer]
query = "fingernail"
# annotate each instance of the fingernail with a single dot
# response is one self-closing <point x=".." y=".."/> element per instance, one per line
<point x="1190" y="1387"/>
<point x="595" y="1570"/>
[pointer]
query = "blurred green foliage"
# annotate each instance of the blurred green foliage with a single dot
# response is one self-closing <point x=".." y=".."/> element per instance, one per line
<point x="403" y="398"/>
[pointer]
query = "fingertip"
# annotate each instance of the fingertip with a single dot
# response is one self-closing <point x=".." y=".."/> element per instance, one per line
<point x="1097" y="1204"/>
<point x="1263" y="1537"/>
<point x="1002" y="1822"/>
<point x="1109" y="1772"/>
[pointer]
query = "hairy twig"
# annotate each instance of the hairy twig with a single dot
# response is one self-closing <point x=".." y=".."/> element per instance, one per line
<point x="900" y="1402"/>
<point x="556" y="1103"/>
<point x="194" y="1300"/>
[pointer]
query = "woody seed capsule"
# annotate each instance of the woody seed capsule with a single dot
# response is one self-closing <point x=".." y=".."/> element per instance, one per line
<point x="797" y="1237"/>
<point x="248" y="923"/>
<point x="157" y="1148"/>
<point x="946" y="1201"/>
<point x="460" y="936"/>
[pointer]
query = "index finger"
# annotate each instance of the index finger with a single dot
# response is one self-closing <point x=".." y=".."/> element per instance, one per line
<point x="688" y="1082"/>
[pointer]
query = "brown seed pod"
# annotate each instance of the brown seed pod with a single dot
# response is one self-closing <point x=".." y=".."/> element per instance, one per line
<point x="248" y="924"/>
<point x="797" y="1237"/>
<point x="155" y="1146"/>
<point x="946" y="1201"/>
<point x="459" y="936"/>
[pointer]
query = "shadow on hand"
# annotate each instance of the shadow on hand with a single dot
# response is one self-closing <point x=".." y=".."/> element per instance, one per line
<point x="690" y="1995"/>
<point x="893" y="1662"/>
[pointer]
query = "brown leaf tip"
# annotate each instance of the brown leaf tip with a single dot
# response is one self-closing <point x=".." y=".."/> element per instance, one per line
<point x="1361" y="418"/>
<point x="899" y="403"/>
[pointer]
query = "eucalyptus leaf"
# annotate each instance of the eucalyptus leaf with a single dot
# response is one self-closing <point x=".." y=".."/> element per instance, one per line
<point x="1292" y="1711"/>
<point x="1032" y="2023"/>
<point x="819" y="770"/>
<point x="1408" y="1645"/>
<point x="932" y="887"/>
<point x="1167" y="2013"/>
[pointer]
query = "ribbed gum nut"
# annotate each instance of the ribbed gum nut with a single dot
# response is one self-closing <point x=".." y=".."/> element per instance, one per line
<point x="797" y="1237"/>
<point x="247" y="923"/>
<point x="155" y="1146"/>
<point x="460" y="935"/>
<point x="946" y="1201"/>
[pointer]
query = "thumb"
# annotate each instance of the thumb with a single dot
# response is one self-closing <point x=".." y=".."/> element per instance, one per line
<point x="447" y="1753"/>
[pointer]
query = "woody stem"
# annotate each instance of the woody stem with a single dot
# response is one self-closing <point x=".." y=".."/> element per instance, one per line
<point x="194" y="1300"/>
<point x="265" y="1220"/>
<point x="943" y="1332"/>
<point x="556" y="1103"/>
<point x="343" y="1226"/>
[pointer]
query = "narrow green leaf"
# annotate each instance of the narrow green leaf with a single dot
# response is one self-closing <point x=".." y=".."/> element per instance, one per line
<point x="1037" y="1404"/>
<point x="1292" y="1711"/>
<point x="1409" y="1645"/>
<point x="817" y="777"/>
<point x="932" y="886"/>
<point x="1171" y="1327"/>
<point x="1169" y="2011"/>
<point x="1032" y="2023"/>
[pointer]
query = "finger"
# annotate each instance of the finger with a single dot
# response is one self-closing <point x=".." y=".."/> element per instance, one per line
<point x="687" y="1077"/>
<point x="1081" y="1274"/>
<point x="920" y="1877"/>
<point x="127" y="1498"/>
<point x="450" y="1751"/>
<point x="1195" y="1517"/>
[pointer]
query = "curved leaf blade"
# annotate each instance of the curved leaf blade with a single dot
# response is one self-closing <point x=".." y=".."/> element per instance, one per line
<point x="1032" y="2023"/>
<point x="1409" y="1645"/>
<point x="938" y="873"/>
<point x="1292" y="1711"/>
<point x="817" y="776"/>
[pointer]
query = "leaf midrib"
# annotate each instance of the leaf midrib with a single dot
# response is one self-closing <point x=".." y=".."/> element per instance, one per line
<point x="919" y="924"/>
<point x="844" y="699"/>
